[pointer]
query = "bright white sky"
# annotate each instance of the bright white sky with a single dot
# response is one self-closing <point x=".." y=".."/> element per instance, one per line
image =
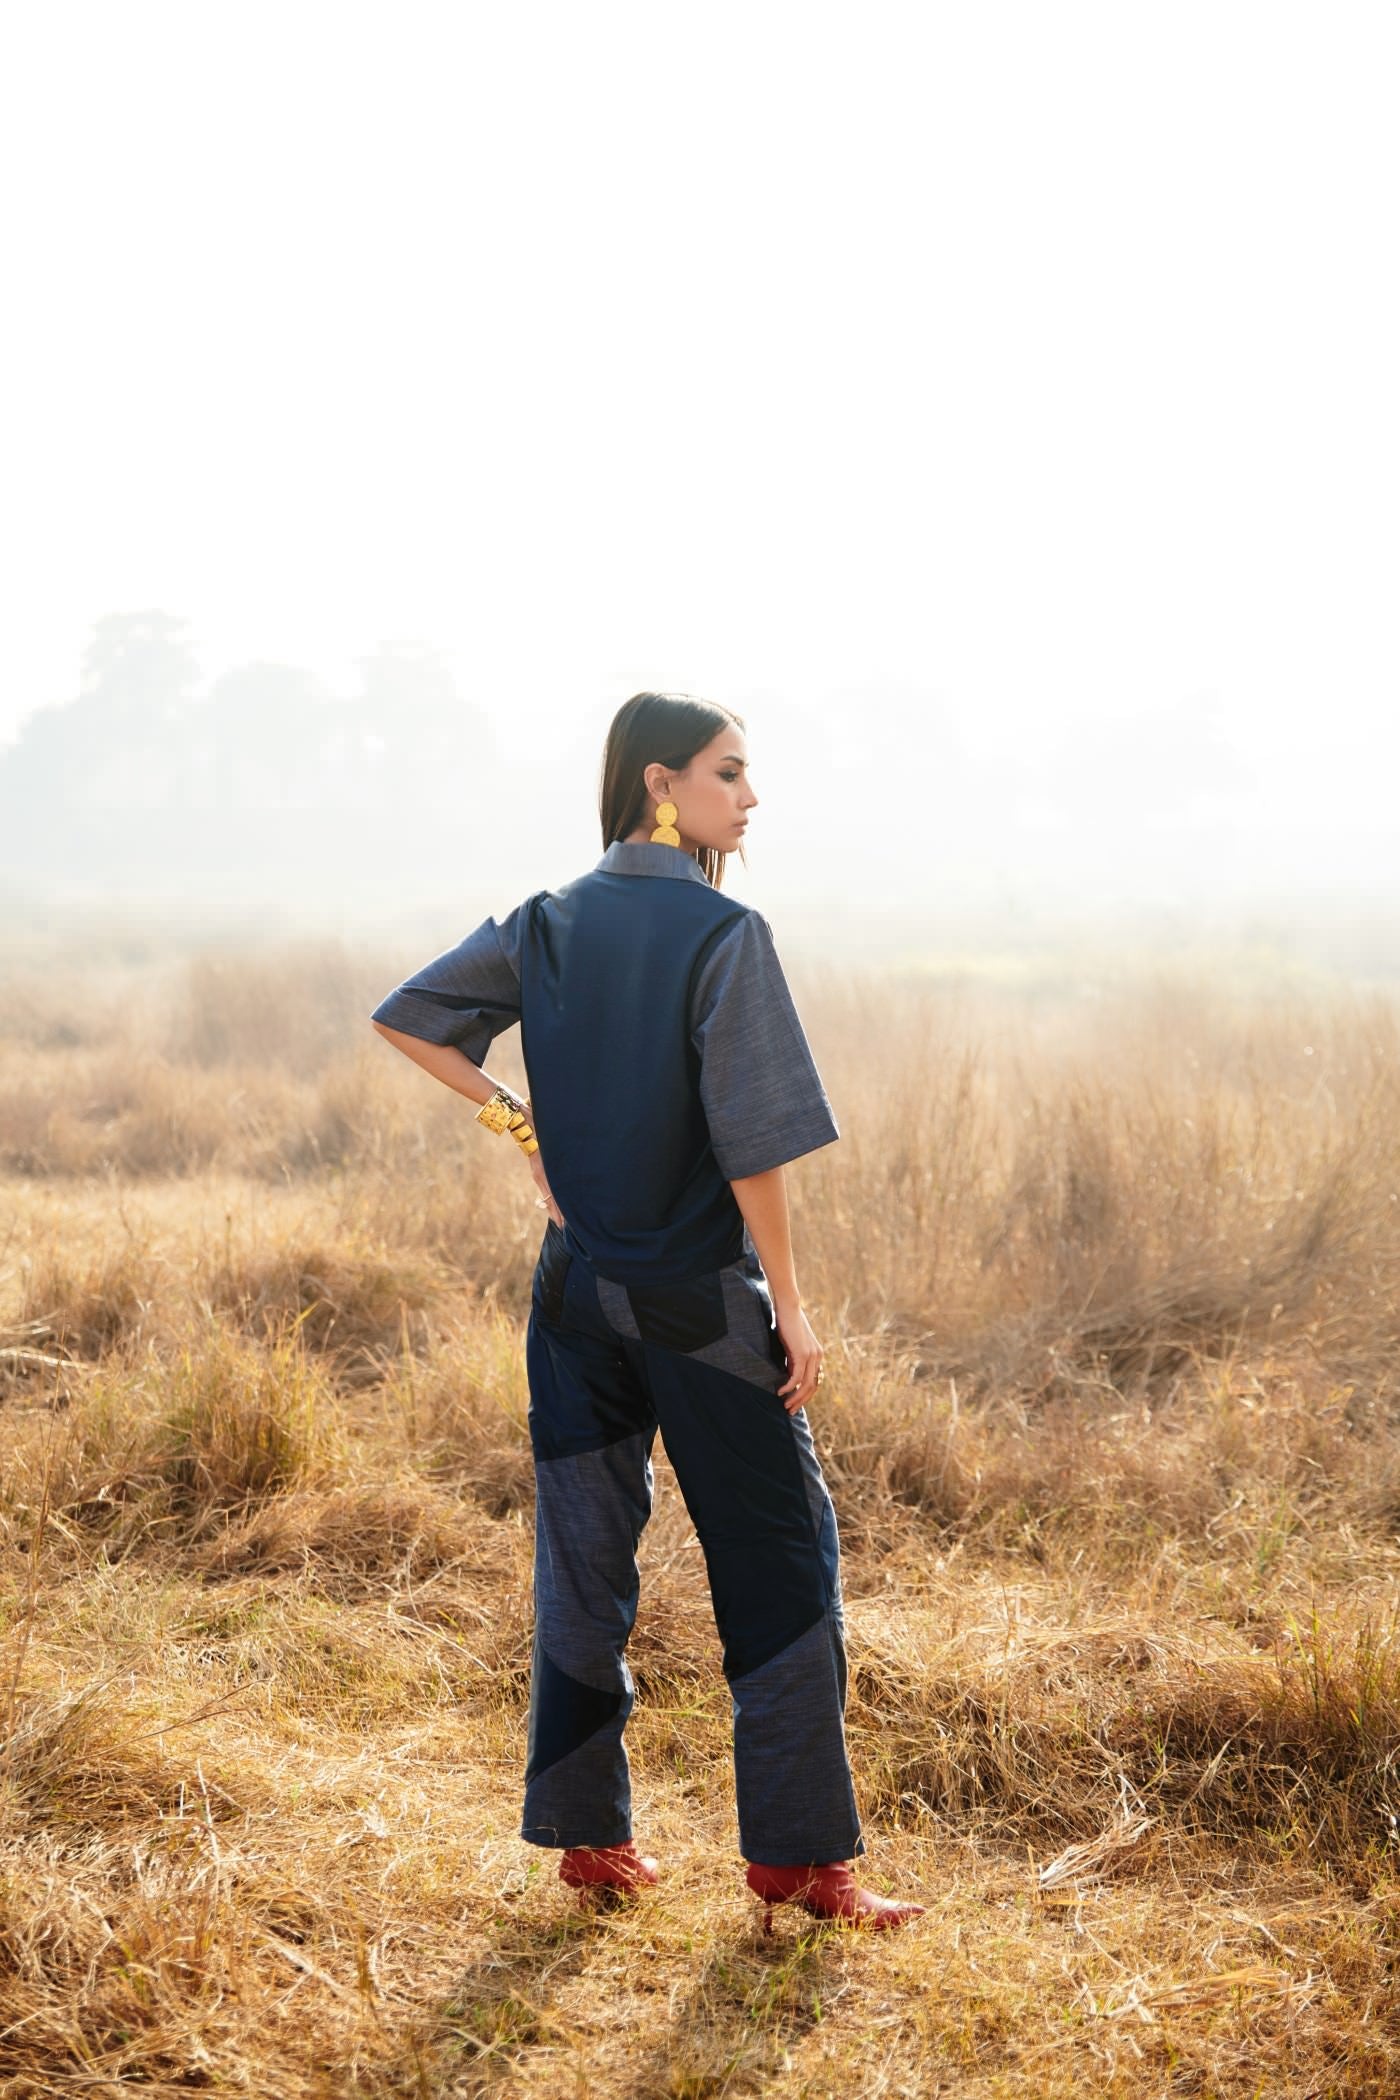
<point x="1028" y="369"/>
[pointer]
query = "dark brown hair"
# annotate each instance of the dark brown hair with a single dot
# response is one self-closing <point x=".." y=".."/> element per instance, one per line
<point x="668" y="728"/>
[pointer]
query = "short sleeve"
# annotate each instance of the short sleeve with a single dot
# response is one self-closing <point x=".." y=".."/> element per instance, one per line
<point x="763" y="1096"/>
<point x="468" y="995"/>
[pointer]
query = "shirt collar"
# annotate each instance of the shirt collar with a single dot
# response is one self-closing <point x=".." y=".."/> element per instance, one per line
<point x="642" y="857"/>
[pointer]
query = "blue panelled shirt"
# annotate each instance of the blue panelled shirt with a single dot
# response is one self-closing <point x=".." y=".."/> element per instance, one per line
<point x="664" y="1054"/>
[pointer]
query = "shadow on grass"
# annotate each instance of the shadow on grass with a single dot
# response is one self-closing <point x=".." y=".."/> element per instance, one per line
<point x="747" y="2001"/>
<point x="500" y="2009"/>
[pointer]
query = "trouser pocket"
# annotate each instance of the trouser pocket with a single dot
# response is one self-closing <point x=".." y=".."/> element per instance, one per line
<point x="551" y="1275"/>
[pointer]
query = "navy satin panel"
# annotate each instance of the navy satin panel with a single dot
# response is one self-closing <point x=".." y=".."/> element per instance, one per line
<point x="605" y="1030"/>
<point x="563" y="1715"/>
<point x="679" y="1315"/>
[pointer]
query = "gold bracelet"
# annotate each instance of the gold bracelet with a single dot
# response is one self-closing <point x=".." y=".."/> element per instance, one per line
<point x="503" y="1112"/>
<point x="497" y="1112"/>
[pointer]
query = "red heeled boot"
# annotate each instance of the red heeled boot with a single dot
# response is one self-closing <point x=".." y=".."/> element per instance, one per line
<point x="827" y="1892"/>
<point x="606" y="1871"/>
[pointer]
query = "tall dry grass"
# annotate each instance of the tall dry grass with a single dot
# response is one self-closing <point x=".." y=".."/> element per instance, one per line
<point x="1109" y="1285"/>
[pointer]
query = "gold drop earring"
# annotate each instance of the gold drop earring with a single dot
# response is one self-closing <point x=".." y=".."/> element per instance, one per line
<point x="666" y="833"/>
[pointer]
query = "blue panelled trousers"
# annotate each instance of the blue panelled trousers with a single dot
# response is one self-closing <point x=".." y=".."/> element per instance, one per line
<point x="608" y="1364"/>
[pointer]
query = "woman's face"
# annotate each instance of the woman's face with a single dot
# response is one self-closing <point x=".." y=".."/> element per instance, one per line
<point x="712" y="796"/>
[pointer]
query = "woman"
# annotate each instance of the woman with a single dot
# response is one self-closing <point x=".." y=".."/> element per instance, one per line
<point x="670" y="1080"/>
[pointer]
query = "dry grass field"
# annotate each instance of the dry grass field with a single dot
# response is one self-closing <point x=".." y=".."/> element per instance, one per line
<point x="1110" y="1284"/>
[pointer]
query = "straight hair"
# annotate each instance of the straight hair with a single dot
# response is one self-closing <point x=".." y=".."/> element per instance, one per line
<point x="668" y="728"/>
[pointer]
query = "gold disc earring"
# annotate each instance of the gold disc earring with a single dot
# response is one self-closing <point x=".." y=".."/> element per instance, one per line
<point x="666" y="833"/>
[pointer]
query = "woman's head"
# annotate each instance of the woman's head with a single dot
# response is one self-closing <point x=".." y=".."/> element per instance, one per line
<point x="668" y="747"/>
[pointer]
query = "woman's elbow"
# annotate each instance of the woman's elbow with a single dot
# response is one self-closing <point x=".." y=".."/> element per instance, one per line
<point x="396" y="1036"/>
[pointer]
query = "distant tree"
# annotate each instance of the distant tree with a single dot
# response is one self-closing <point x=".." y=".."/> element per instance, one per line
<point x="139" y="669"/>
<point x="266" y="786"/>
<point x="410" y="740"/>
<point x="76" y="774"/>
<point x="256" y="742"/>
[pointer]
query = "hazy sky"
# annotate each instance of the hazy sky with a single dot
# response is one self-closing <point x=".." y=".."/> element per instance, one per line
<point x="1026" y="370"/>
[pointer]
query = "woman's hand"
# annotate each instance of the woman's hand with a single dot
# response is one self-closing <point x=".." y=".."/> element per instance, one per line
<point x="804" y="1354"/>
<point x="536" y="1160"/>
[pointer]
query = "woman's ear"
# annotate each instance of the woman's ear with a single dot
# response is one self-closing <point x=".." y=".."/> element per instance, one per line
<point x="656" y="781"/>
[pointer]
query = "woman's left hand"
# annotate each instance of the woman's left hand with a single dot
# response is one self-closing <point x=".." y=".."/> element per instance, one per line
<point x="804" y="1355"/>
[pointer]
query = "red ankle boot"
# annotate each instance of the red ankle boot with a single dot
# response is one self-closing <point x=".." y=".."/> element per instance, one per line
<point x="613" y="1870"/>
<point x="827" y="1892"/>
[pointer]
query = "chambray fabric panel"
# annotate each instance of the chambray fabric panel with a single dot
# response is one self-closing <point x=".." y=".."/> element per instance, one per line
<point x="792" y="1776"/>
<point x="468" y="995"/>
<point x="590" y="1512"/>
<point x="751" y="1347"/>
<point x="824" y="1526"/>
<point x="762" y="1093"/>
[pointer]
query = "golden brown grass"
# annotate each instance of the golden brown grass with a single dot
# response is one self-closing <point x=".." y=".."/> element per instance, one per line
<point x="1111" y="1291"/>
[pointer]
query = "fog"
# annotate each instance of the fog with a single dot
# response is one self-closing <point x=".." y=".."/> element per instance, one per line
<point x="996" y="406"/>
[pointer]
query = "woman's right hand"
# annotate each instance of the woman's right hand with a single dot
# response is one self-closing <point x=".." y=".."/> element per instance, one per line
<point x="804" y="1354"/>
<point x="546" y="1195"/>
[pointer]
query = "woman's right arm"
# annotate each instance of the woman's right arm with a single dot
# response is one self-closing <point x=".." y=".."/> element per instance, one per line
<point x="763" y="1200"/>
<point x="765" y="1105"/>
<point x="444" y="1060"/>
<point x="455" y="1069"/>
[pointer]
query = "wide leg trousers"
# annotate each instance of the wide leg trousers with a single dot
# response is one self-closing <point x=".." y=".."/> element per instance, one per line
<point x="608" y="1364"/>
